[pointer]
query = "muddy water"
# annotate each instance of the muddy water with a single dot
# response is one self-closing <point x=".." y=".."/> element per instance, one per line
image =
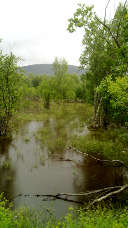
<point x="28" y="166"/>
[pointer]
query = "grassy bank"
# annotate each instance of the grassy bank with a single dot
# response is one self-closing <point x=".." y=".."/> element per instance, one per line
<point x="24" y="218"/>
<point x="106" y="144"/>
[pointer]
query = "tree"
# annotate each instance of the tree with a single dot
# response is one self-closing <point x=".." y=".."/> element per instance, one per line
<point x="35" y="80"/>
<point x="105" y="46"/>
<point x="69" y="87"/>
<point x="114" y="99"/>
<point x="46" y="90"/>
<point x="60" y="68"/>
<point x="9" y="90"/>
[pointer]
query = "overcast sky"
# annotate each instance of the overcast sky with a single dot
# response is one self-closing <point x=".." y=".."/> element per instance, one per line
<point x="35" y="30"/>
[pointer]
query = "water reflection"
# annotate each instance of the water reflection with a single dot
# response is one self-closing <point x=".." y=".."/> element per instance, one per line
<point x="94" y="176"/>
<point x="36" y="161"/>
<point x="7" y="171"/>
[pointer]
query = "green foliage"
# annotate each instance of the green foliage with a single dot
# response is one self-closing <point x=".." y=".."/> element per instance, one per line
<point x="61" y="87"/>
<point x="105" y="44"/>
<point x="46" y="90"/>
<point x="28" y="93"/>
<point x="67" y="87"/>
<point x="94" y="58"/>
<point x="60" y="67"/>
<point x="115" y="98"/>
<point x="108" y="144"/>
<point x="35" y="80"/>
<point x="85" y="89"/>
<point x="100" y="217"/>
<point x="10" y="92"/>
<point x="7" y="219"/>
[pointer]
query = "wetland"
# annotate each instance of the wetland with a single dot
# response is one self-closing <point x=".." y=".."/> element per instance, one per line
<point x="39" y="158"/>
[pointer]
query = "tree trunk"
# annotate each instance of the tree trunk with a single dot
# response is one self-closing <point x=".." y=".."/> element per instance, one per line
<point x="97" y="119"/>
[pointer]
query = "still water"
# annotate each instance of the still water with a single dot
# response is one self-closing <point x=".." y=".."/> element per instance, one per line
<point x="28" y="166"/>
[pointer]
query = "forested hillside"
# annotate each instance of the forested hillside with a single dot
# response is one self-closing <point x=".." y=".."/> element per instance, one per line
<point x="47" y="69"/>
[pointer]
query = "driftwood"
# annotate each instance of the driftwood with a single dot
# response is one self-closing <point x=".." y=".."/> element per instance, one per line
<point x="112" y="163"/>
<point x="106" y="192"/>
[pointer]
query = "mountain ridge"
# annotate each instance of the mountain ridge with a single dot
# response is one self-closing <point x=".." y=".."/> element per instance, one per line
<point x="47" y="69"/>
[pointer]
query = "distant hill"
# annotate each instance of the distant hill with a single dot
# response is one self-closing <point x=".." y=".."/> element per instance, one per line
<point x="39" y="69"/>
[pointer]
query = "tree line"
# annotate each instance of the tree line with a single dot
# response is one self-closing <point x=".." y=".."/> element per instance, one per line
<point x="61" y="87"/>
<point x="16" y="88"/>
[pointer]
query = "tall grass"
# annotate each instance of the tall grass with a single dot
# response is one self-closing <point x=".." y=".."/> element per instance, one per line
<point x="108" y="144"/>
<point x="99" y="218"/>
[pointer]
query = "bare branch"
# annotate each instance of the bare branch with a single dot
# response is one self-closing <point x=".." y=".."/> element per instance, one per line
<point x="110" y="32"/>
<point x="106" y="10"/>
<point x="71" y="194"/>
<point x="114" y="190"/>
<point x="122" y="188"/>
<point x="90" y="192"/>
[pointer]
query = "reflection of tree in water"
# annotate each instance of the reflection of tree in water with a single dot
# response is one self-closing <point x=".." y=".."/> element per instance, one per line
<point x="7" y="173"/>
<point x="59" y="127"/>
<point x="90" y="176"/>
<point x="54" y="136"/>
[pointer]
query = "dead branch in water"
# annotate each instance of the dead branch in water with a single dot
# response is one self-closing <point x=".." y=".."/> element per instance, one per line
<point x="52" y="196"/>
<point x="108" y="192"/>
<point x="108" y="195"/>
<point x="113" y="163"/>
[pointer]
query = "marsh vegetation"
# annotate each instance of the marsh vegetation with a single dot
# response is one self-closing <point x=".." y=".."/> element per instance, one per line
<point x="66" y="135"/>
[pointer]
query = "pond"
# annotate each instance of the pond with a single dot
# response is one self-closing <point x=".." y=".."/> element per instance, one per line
<point x="38" y="161"/>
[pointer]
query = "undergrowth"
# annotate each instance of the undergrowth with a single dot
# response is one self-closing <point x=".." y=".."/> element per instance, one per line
<point x="26" y="218"/>
<point x="107" y="144"/>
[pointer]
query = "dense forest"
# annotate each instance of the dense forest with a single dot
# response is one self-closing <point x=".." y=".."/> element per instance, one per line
<point x="84" y="114"/>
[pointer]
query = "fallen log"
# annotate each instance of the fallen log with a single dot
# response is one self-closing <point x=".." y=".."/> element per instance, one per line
<point x="52" y="196"/>
<point x="108" y="192"/>
<point x="70" y="194"/>
<point x="112" y="163"/>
